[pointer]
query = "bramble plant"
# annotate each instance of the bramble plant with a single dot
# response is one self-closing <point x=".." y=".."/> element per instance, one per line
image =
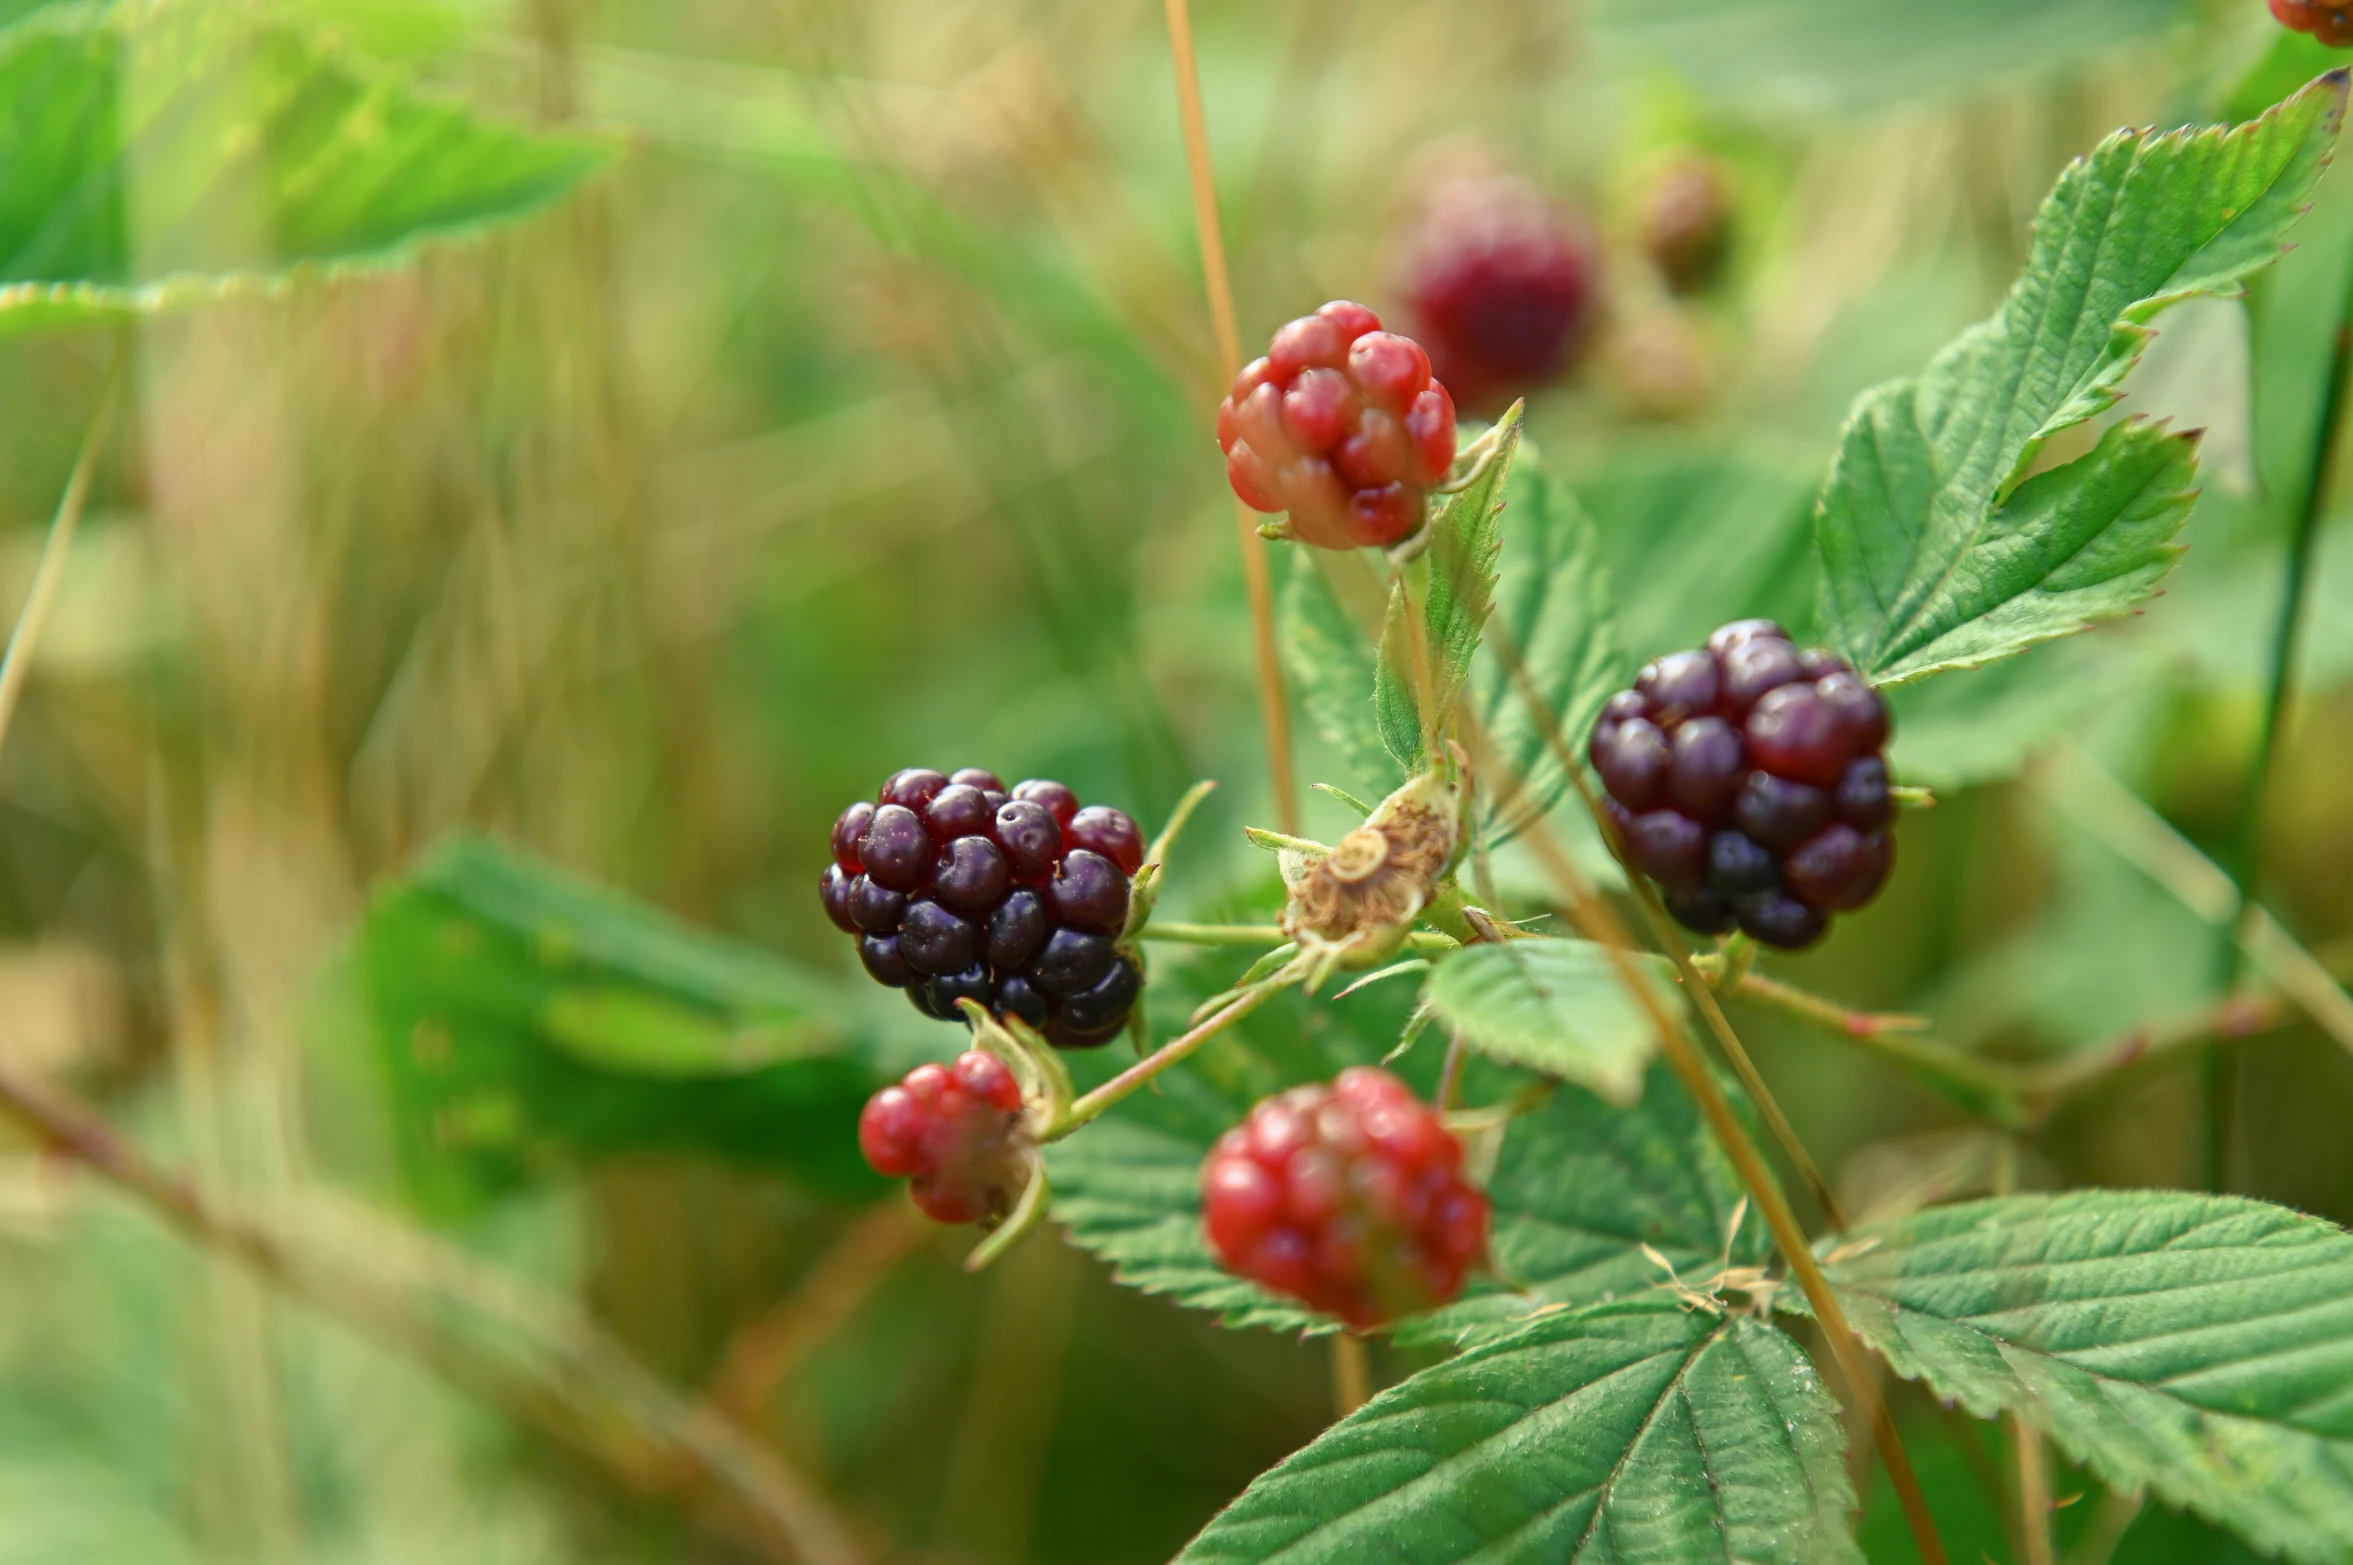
<point x="1565" y="849"/>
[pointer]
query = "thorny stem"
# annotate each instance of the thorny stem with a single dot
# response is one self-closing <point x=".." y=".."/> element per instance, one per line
<point x="594" y="1398"/>
<point x="1602" y="925"/>
<point x="1654" y="914"/>
<point x="1174" y="1052"/>
<point x="2013" y="1095"/>
<point x="2246" y="855"/>
<point x="1274" y="709"/>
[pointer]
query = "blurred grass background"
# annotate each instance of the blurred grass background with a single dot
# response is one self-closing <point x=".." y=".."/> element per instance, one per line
<point x="859" y="418"/>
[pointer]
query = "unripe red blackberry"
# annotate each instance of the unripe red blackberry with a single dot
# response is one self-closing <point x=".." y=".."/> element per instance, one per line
<point x="1504" y="286"/>
<point x="955" y="1132"/>
<point x="959" y="890"/>
<point x="2331" y="24"/>
<point x="1349" y="1198"/>
<point x="1340" y="425"/>
<point x="1747" y="780"/>
<point x="1686" y="223"/>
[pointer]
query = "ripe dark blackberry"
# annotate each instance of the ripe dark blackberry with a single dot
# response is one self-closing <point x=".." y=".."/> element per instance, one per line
<point x="1686" y="223"/>
<point x="1504" y="285"/>
<point x="961" y="889"/>
<point x="1340" y="425"/>
<point x="2331" y="24"/>
<point x="1349" y="1198"/>
<point x="1746" y="779"/>
<point x="955" y="1132"/>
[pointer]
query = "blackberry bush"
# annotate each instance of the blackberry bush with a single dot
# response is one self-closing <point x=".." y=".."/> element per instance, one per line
<point x="1342" y="426"/>
<point x="1748" y="781"/>
<point x="955" y="1133"/>
<point x="1348" y="1197"/>
<point x="958" y="889"/>
<point x="1504" y="285"/>
<point x="2331" y="24"/>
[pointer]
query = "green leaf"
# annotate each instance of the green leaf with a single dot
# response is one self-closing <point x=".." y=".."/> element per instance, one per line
<point x="1636" y="1435"/>
<point x="1454" y="577"/>
<point x="1942" y="547"/>
<point x="525" y="1021"/>
<point x="1697" y="532"/>
<point x="1331" y="664"/>
<point x="1825" y="56"/>
<point x="1580" y="1187"/>
<point x="1554" y="604"/>
<point x="2199" y="1347"/>
<point x="162" y="155"/>
<point x="1554" y="1006"/>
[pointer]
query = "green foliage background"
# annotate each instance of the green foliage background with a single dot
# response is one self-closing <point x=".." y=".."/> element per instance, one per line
<point x="856" y="416"/>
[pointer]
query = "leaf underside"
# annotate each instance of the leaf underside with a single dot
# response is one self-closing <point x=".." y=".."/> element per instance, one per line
<point x="2200" y="1347"/>
<point x="162" y="155"/>
<point x="1626" y="1433"/>
<point x="1942" y="545"/>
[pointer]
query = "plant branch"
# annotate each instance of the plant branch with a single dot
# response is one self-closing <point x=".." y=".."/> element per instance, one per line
<point x="2245" y="862"/>
<point x="588" y="1394"/>
<point x="1172" y="1053"/>
<point x="1662" y="928"/>
<point x="1273" y="703"/>
<point x="1602" y="925"/>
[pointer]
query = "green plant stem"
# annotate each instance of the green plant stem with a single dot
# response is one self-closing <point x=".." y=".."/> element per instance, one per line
<point x="1260" y="936"/>
<point x="2246" y="852"/>
<point x="1172" y="1053"/>
<point x="1602" y="925"/>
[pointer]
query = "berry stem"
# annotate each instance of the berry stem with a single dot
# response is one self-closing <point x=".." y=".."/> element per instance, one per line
<point x="1602" y="925"/>
<point x="17" y="662"/>
<point x="2245" y="862"/>
<point x="1175" y="1052"/>
<point x="1026" y="1214"/>
<point x="1273" y="703"/>
<point x="1352" y="1373"/>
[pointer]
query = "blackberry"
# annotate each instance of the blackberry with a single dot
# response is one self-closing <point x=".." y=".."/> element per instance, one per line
<point x="1342" y="426"/>
<point x="1747" y="780"/>
<point x="2330" y="24"/>
<point x="1686" y="223"/>
<point x="960" y="889"/>
<point x="955" y="1132"/>
<point x="1348" y="1197"/>
<point x="1504" y="285"/>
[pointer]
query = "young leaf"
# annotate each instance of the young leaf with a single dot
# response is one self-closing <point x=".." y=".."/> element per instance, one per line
<point x="1580" y="1187"/>
<point x="1554" y="605"/>
<point x="2199" y="1347"/>
<point x="161" y="155"/>
<point x="1555" y="1006"/>
<point x="523" y="1019"/>
<point x="1455" y="580"/>
<point x="1941" y="546"/>
<point x="1631" y="1434"/>
<point x="1331" y="663"/>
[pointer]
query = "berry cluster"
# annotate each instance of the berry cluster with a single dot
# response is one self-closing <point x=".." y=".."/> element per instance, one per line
<point x="959" y="890"/>
<point x="2331" y="24"/>
<point x="956" y="1133"/>
<point x="1349" y="1198"/>
<point x="1747" y="780"/>
<point x="1340" y="425"/>
<point x="1504" y="284"/>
